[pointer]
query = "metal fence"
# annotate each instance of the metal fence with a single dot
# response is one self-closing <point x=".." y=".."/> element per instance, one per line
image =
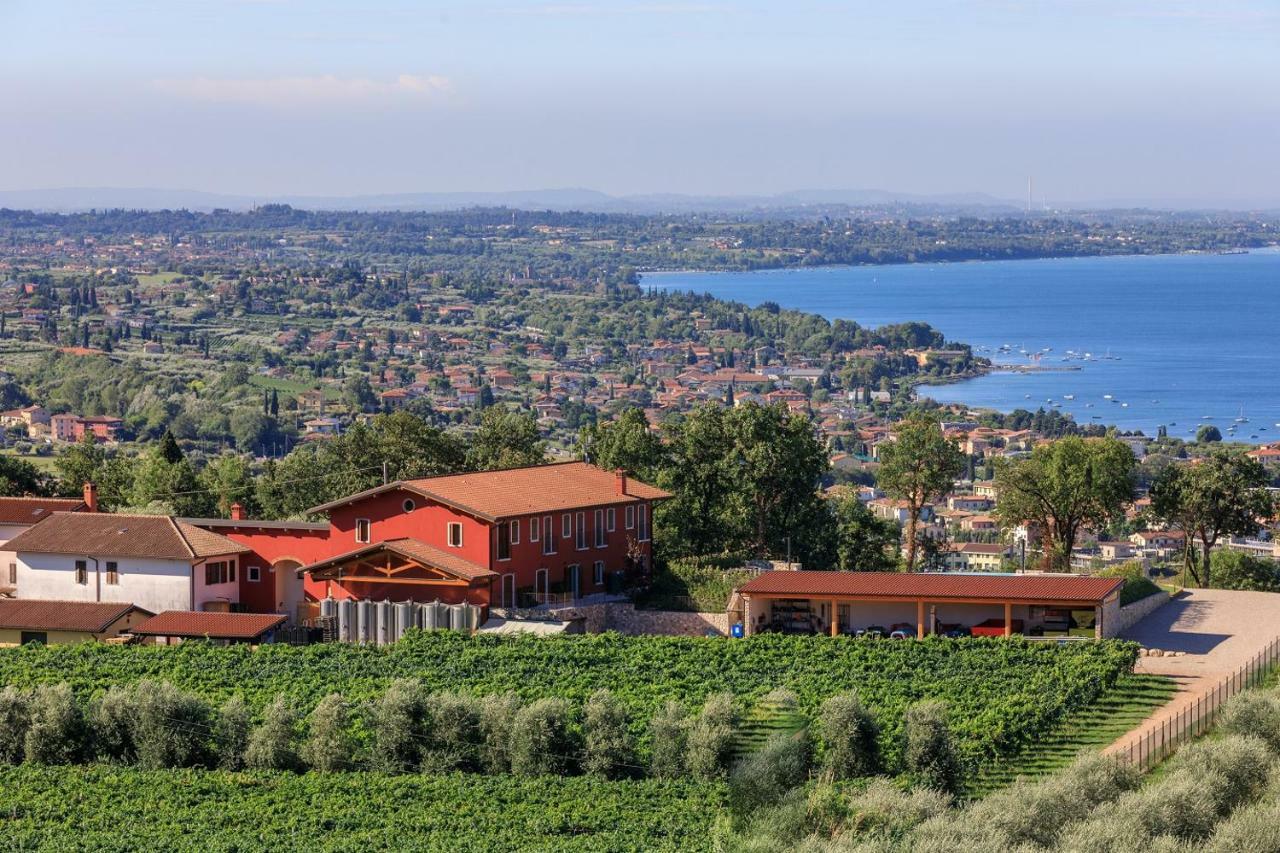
<point x="1195" y="719"/>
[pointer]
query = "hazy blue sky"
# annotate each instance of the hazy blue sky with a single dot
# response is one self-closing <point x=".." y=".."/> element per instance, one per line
<point x="1099" y="100"/>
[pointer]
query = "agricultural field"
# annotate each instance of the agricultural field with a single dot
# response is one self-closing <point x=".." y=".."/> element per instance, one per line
<point x="1000" y="695"/>
<point x="104" y="808"/>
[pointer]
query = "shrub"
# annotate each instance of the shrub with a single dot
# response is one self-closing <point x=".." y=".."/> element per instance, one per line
<point x="540" y="743"/>
<point x="1243" y="762"/>
<point x="848" y="733"/>
<point x="1176" y="807"/>
<point x="1137" y="585"/>
<point x="271" y="744"/>
<point x="668" y="736"/>
<point x="112" y="718"/>
<point x="882" y="810"/>
<point x="455" y="734"/>
<point x="171" y="727"/>
<point x="1235" y="570"/>
<point x="15" y="716"/>
<point x="930" y="754"/>
<point x="1249" y="831"/>
<point x="711" y="737"/>
<point x="766" y="775"/>
<point x="497" y="718"/>
<point x="328" y="747"/>
<point x="1253" y="712"/>
<point x="398" y="726"/>
<point x="231" y="733"/>
<point x="607" y="743"/>
<point x="55" y="734"/>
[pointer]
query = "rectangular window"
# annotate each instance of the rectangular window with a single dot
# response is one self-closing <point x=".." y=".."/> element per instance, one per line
<point x="612" y="515"/>
<point x="566" y="526"/>
<point x="644" y="523"/>
<point x="548" y="536"/>
<point x="219" y="572"/>
<point x="82" y="572"/>
<point x="598" y="523"/>
<point x="581" y="538"/>
<point x="362" y="530"/>
<point x="255" y="574"/>
<point x="598" y="573"/>
<point x="504" y="542"/>
<point x="455" y="534"/>
<point x="13" y="574"/>
<point x="631" y="517"/>
<point x="113" y="573"/>
<point x="515" y="533"/>
<point x="534" y="524"/>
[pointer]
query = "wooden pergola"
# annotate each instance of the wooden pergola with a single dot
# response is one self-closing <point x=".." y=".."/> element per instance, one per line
<point x="406" y="562"/>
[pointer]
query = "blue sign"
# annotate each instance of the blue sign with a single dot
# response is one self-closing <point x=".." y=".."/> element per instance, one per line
<point x="737" y="631"/>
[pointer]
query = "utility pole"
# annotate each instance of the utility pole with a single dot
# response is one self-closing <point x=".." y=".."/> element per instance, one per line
<point x="384" y="472"/>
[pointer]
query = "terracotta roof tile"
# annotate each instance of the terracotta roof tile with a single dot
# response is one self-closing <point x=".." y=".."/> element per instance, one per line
<point x="413" y="549"/>
<point x="31" y="510"/>
<point x="108" y="534"/>
<point x="521" y="491"/>
<point x="218" y="626"/>
<point x="938" y="587"/>
<point x="90" y="617"/>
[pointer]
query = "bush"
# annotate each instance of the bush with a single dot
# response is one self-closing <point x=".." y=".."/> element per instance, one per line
<point x="15" y="717"/>
<point x="398" y="718"/>
<point x="1137" y="585"/>
<point x="607" y="749"/>
<point x="328" y="747"/>
<point x="113" y="717"/>
<point x="766" y="775"/>
<point x="930" y="754"/>
<point x="1243" y="762"/>
<point x="1249" y="831"/>
<point x="668" y="736"/>
<point x="540" y="743"/>
<point x="711" y="736"/>
<point x="848" y="733"/>
<point x="884" y="811"/>
<point x="171" y="727"/>
<point x="231" y="734"/>
<point x="695" y="583"/>
<point x="497" y="719"/>
<point x="454" y="739"/>
<point x="1234" y="570"/>
<point x="271" y="744"/>
<point x="55" y="734"/>
<point x="1177" y="806"/>
<point x="1253" y="712"/>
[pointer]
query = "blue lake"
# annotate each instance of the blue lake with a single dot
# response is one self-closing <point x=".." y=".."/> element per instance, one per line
<point x="1188" y="336"/>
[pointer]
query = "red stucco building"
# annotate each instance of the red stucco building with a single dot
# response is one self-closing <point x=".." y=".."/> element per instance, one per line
<point x="501" y="538"/>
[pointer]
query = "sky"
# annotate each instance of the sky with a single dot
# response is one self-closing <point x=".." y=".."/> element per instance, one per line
<point x="1097" y="99"/>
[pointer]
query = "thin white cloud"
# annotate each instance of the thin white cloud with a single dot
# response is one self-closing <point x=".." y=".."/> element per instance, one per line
<point x="284" y="90"/>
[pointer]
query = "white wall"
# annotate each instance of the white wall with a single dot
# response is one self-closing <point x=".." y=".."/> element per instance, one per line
<point x="229" y="591"/>
<point x="153" y="585"/>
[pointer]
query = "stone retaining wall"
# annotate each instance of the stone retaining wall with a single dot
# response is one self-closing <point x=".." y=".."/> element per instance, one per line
<point x="624" y="618"/>
<point x="1136" y="612"/>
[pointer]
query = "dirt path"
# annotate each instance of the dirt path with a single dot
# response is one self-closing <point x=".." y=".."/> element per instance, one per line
<point x="1217" y="631"/>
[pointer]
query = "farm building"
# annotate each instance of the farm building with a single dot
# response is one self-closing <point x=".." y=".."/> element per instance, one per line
<point x="918" y="604"/>
<point x="58" y="622"/>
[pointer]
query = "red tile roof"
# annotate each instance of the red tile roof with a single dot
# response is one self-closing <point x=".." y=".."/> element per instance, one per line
<point x="520" y="491"/>
<point x="412" y="549"/>
<point x="113" y="535"/>
<point x="88" y="617"/>
<point x="217" y="626"/>
<point x="30" y="510"/>
<point x="936" y="587"/>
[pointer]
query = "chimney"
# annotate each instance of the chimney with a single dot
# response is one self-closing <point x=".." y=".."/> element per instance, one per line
<point x="621" y="477"/>
<point x="91" y="496"/>
<point x="237" y="511"/>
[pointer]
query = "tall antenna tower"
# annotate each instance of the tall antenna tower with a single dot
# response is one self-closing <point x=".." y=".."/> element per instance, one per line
<point x="1028" y="194"/>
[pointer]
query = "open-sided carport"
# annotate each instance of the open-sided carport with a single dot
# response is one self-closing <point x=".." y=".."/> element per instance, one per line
<point x="844" y="602"/>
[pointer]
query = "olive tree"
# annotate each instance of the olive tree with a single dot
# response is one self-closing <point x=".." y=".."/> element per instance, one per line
<point x="918" y="466"/>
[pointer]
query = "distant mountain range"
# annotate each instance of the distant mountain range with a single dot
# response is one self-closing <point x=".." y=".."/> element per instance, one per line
<point x="70" y="199"/>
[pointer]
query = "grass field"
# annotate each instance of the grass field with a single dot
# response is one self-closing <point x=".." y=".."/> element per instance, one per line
<point x="1131" y="701"/>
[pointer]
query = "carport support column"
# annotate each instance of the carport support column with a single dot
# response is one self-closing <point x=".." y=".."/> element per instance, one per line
<point x="835" y="617"/>
<point x="1008" y="619"/>
<point x="920" y="619"/>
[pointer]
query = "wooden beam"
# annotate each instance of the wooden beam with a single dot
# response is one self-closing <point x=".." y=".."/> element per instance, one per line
<point x="419" y="581"/>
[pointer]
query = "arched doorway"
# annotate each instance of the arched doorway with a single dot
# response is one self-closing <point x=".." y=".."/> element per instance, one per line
<point x="288" y="588"/>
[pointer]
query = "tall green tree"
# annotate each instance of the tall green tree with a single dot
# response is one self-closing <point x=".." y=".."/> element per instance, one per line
<point x="230" y="480"/>
<point x="505" y="439"/>
<point x="1223" y="494"/>
<point x="918" y="467"/>
<point x="19" y="477"/>
<point x="160" y="484"/>
<point x="625" y="443"/>
<point x="700" y="478"/>
<point x="87" y="461"/>
<point x="863" y="542"/>
<point x="1065" y="487"/>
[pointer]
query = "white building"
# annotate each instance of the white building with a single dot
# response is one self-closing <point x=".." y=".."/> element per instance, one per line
<point x="154" y="561"/>
<point x="18" y="514"/>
